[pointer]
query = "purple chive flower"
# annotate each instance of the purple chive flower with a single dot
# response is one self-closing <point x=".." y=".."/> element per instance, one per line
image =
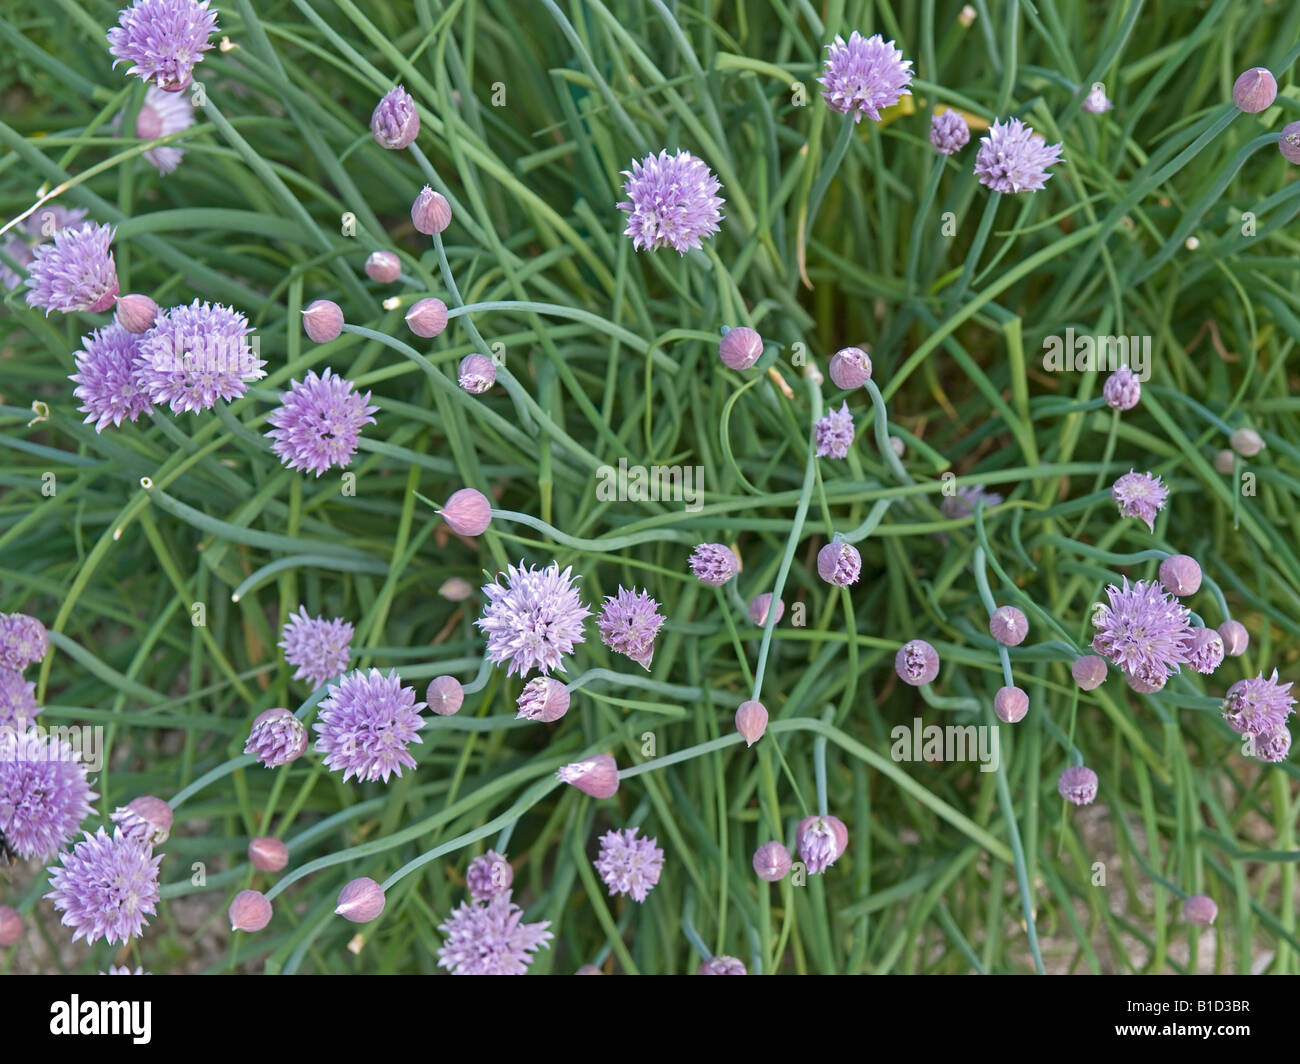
<point x="628" y="623"/>
<point x="759" y="607"/>
<point x="1273" y="746"/>
<point x="105" y="887"/>
<point x="318" y="648"/>
<point x="1097" y="102"/>
<point x="197" y="354"/>
<point x="145" y="819"/>
<point x="161" y="115"/>
<point x="916" y="662"/>
<point x="1089" y="671"/>
<point x="106" y="379"/>
<point x="1288" y="142"/>
<point x="714" y="563"/>
<point x="1200" y="909"/>
<point x="74" y="272"/>
<point x="23" y="641"/>
<point x="543" y="699"/>
<point x="1122" y="389"/>
<point x="1013" y="158"/>
<point x="395" y="122"/>
<point x="672" y="202"/>
<point x="1140" y="495"/>
<point x="1008" y="626"/>
<point x="1142" y="630"/>
<point x="772" y="862"/>
<point x="963" y="503"/>
<point x="44" y="793"/>
<point x="367" y="723"/>
<point x="948" y="132"/>
<point x="534" y="619"/>
<point x="822" y="841"/>
<point x="628" y="864"/>
<point x="489" y="938"/>
<point x="18" y="706"/>
<point x="318" y="423"/>
<point x="864" y="75"/>
<point x="596" y="776"/>
<point x="162" y="40"/>
<point x="476" y="373"/>
<point x="276" y="738"/>
<point x="839" y="563"/>
<point x="722" y="965"/>
<point x="834" y="433"/>
<point x="1010" y="704"/>
<point x="488" y="876"/>
<point x="1257" y="706"/>
<point x="1204" y="650"/>
<point x="1077" y="784"/>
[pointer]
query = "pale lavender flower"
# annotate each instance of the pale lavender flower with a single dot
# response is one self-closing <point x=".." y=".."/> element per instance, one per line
<point x="1257" y="706"/>
<point x="163" y="39"/>
<point x="395" y="122"/>
<point x="864" y="75"/>
<point x="105" y="887"/>
<point x="822" y="842"/>
<point x="44" y="793"/>
<point x="1204" y="650"/>
<point x="722" y="965"/>
<point x="916" y="662"/>
<point x="318" y="648"/>
<point x="1013" y="158"/>
<point x="1077" y="784"/>
<point x="534" y="619"/>
<point x="629" y="864"/>
<point x="714" y="563"/>
<point x="1122" y="390"/>
<point x="276" y="738"/>
<point x="489" y="938"/>
<point x="367" y="723"/>
<point x="629" y="622"/>
<point x="967" y="498"/>
<point x="543" y="699"/>
<point x="23" y="641"/>
<point x="672" y="202"/>
<point x="51" y="218"/>
<point x="197" y="354"/>
<point x="1142" y="630"/>
<point x="18" y="706"/>
<point x="1273" y="746"/>
<point x="476" y="373"/>
<point x="1140" y="495"/>
<point x="161" y="115"/>
<point x="488" y="876"/>
<point x="75" y="271"/>
<point x="318" y="423"/>
<point x="839" y="563"/>
<point x="145" y="819"/>
<point x="1200" y="909"/>
<point x="948" y="132"/>
<point x="107" y="383"/>
<point x="834" y="433"/>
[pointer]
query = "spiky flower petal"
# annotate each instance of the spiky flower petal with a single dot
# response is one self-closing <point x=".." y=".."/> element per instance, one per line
<point x="834" y="433"/>
<point x="318" y="648"/>
<point x="44" y="793"/>
<point x="1256" y="706"/>
<point x="714" y="563"/>
<point x="1142" y="630"/>
<point x="318" y="423"/>
<point x="1140" y="495"/>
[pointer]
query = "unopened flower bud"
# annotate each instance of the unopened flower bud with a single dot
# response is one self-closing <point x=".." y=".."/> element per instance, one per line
<point x="1224" y="462"/>
<point x="740" y="348"/>
<point x="839" y="563"/>
<point x="1010" y="704"/>
<point x="772" y="862"/>
<point x="322" y="321"/>
<point x="11" y="926"/>
<point x="250" y="911"/>
<point x="822" y="842"/>
<point x="597" y="776"/>
<point x="1254" y="90"/>
<point x="850" y="368"/>
<point x="721" y="965"/>
<point x="1235" y="638"/>
<point x="1180" y="575"/>
<point x="1288" y="142"/>
<point x="1008" y="626"/>
<point x="1246" y="442"/>
<point x="427" y="318"/>
<point x="759" y="607"/>
<point x="431" y="213"/>
<point x="445" y="696"/>
<point x="1146" y="685"/>
<point x="477" y="373"/>
<point x="488" y="876"/>
<point x="588" y="969"/>
<point x="751" y="721"/>
<point x="146" y="819"/>
<point x="1089" y="671"/>
<point x="360" y="901"/>
<point x="1077" y="784"/>
<point x="136" y="313"/>
<point x="383" y="266"/>
<point x="456" y="589"/>
<point x="897" y="445"/>
<point x="395" y="122"/>
<point x="468" y="512"/>
<point x="1200" y="910"/>
<point x="916" y="662"/>
<point x="268" y="854"/>
<point x="544" y="699"/>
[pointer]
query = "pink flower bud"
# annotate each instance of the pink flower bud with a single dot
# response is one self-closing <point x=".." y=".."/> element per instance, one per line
<point x="1254" y="90"/>
<point x="1288" y="142"/>
<point x="850" y="368"/>
<point x="11" y="926"/>
<point x="1224" y="462"/>
<point x="250" y="911"/>
<point x="1180" y="575"/>
<point x="152" y="817"/>
<point x="1008" y="626"/>
<point x="1010" y="704"/>
<point x="427" y="318"/>
<point x="1089" y="671"/>
<point x="488" y="876"/>
<point x="1200" y="910"/>
<point x="477" y="373"/>
<point x="759" y="607"/>
<point x="383" y="266"/>
<point x="597" y="776"/>
<point x="360" y="901"/>
<point x="751" y="721"/>
<point x="740" y="348"/>
<point x="455" y="589"/>
<point x="897" y="445"/>
<point x="1077" y="784"/>
<point x="1235" y="638"/>
<point x="822" y="842"/>
<point x="431" y="213"/>
<point x="395" y="123"/>
<point x="1146" y="685"/>
<point x="772" y="862"/>
<point x="1246" y="442"/>
<point x="136" y="313"/>
<point x="722" y="965"/>
<point x="544" y="699"/>
<point x="588" y="969"/>
<point x="268" y="854"/>
<point x="468" y="512"/>
<point x="839" y="563"/>
<point x="322" y="321"/>
<point x="445" y="696"/>
<point x="916" y="662"/>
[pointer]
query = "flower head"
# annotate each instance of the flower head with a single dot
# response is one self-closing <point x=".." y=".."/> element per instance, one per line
<point x="1142" y="630"/>
<point x="948" y="132"/>
<point x="1008" y="625"/>
<point x="249" y="911"/>
<point x="105" y="887"/>
<point x="751" y="721"/>
<point x="145" y="819"/>
<point x="488" y="876"/>
<point x="1140" y="495"/>
<point x="75" y="271"/>
<point x="430" y="213"/>
<point x="1013" y="158"/>
<point x="1089" y="671"/>
<point x="1122" y="389"/>
<point x="671" y="202"/>
<point x="822" y="841"/>
<point x="18" y="706"/>
<point x="761" y="606"/>
<point x="534" y="619"/>
<point x="543" y="699"/>
<point x="1257" y="706"/>
<point x="1235" y="638"/>
<point x="1204" y="650"/>
<point x="916" y="662"/>
<point x="44" y="793"/>
<point x="834" y="433"/>
<point x="445" y="696"/>
<point x="1254" y="90"/>
<point x="722" y="965"/>
<point x="395" y="122"/>
<point x="197" y="354"/>
<point x="1010" y="704"/>
<point x="1180" y="574"/>
<point x="850" y="368"/>
<point x="107" y="383"/>
<point x="163" y="39"/>
<point x="276" y="738"/>
<point x="318" y="648"/>
<point x="268" y="854"/>
<point x="1200" y="909"/>
<point x="864" y="75"/>
<point x="23" y="641"/>
<point x="1077" y="784"/>
<point x="740" y="348"/>
<point x="476" y="373"/>
<point x="628" y="623"/>
<point x="318" y="423"/>
<point x="468" y="512"/>
<point x="629" y="864"/>
<point x="839" y="563"/>
<point x="1273" y="745"/>
<point x="161" y="115"/>
<point x="714" y="563"/>
<point x="489" y="938"/>
<point x="322" y="321"/>
<point x="367" y="723"/>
